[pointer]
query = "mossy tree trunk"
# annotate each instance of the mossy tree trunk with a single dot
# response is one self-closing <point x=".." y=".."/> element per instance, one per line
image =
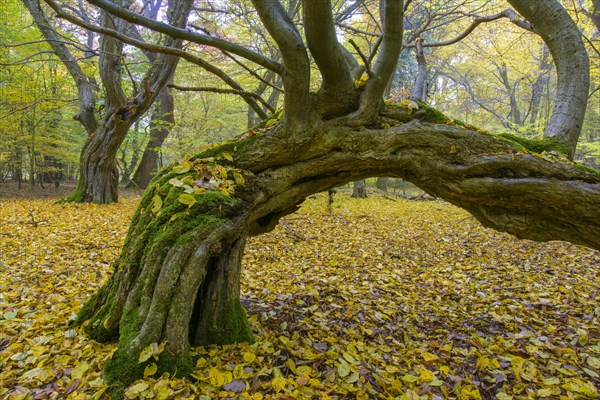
<point x="177" y="279"/>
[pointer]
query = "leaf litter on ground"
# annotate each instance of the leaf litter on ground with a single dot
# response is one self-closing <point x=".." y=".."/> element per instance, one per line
<point x="378" y="299"/>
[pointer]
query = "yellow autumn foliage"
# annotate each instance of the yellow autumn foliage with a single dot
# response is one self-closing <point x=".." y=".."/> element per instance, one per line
<point x="379" y="299"/>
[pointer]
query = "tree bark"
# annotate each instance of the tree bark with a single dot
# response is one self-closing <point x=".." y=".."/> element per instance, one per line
<point x="382" y="183"/>
<point x="537" y="90"/>
<point x="419" y="92"/>
<point x="596" y="14"/>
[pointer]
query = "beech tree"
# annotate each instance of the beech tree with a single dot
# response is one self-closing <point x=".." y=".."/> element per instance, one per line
<point x="176" y="283"/>
<point x="98" y="178"/>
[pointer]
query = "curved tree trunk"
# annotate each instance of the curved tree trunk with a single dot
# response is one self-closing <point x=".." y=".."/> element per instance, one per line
<point x="177" y="279"/>
<point x="572" y="67"/>
<point x="99" y="175"/>
<point x="176" y="282"/>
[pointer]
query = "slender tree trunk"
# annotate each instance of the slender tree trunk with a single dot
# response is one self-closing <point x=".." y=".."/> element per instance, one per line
<point x="382" y="183"/>
<point x="537" y="90"/>
<point x="18" y="168"/>
<point x="515" y="114"/>
<point x="360" y="189"/>
<point x="419" y="92"/>
<point x="160" y="127"/>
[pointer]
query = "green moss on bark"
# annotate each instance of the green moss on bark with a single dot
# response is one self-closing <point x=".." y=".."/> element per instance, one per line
<point x="96" y="327"/>
<point x="588" y="169"/>
<point x="432" y="114"/>
<point x="534" y="145"/>
<point x="232" y="326"/>
<point x="236" y="148"/>
<point x="78" y="196"/>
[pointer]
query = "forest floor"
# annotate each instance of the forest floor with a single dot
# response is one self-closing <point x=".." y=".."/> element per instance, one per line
<point x="376" y="298"/>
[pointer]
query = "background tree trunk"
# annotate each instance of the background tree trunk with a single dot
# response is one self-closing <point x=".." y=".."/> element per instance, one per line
<point x="160" y="127"/>
<point x="359" y="190"/>
<point x="382" y="183"/>
<point x="419" y="92"/>
<point x="98" y="181"/>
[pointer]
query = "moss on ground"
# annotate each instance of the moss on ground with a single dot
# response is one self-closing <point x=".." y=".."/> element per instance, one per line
<point x="175" y="366"/>
<point x="119" y="372"/>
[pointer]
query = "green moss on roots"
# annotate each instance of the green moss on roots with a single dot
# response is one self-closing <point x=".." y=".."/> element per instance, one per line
<point x="77" y="196"/>
<point x="233" y="328"/>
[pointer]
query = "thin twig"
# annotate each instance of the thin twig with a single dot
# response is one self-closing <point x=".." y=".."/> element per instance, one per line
<point x="364" y="58"/>
<point x="293" y="232"/>
<point x="254" y="74"/>
<point x="11" y="274"/>
<point x="241" y="93"/>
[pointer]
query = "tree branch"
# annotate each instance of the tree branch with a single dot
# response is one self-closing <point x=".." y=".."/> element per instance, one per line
<point x="85" y="87"/>
<point x="391" y="45"/>
<point x="251" y="72"/>
<point x="157" y="49"/>
<point x="296" y="74"/>
<point x="510" y="14"/>
<point x="325" y="49"/>
<point x="365" y="60"/>
<point x="185" y="34"/>
<point x="562" y="36"/>
<point x="241" y="93"/>
<point x="356" y="30"/>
